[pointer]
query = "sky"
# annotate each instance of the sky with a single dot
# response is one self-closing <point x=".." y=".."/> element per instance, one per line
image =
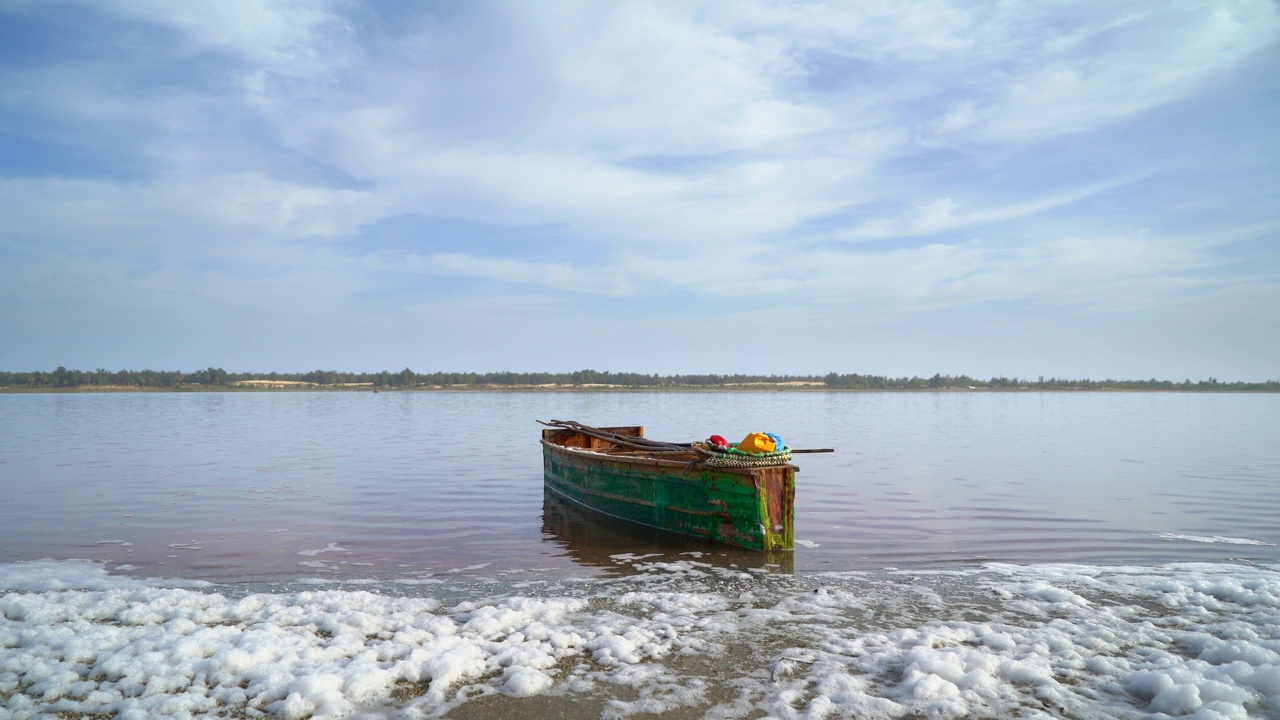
<point x="1068" y="189"/>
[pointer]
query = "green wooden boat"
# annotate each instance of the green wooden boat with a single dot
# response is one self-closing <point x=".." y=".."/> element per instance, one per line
<point x="617" y="471"/>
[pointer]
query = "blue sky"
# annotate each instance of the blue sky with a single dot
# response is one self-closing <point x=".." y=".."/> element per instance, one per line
<point x="1078" y="189"/>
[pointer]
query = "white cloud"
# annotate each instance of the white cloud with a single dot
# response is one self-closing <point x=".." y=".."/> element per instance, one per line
<point x="287" y="35"/>
<point x="726" y="85"/>
<point x="628" y="206"/>
<point x="1114" y="272"/>
<point x="104" y="215"/>
<point x="714" y="149"/>
<point x="1106" y="68"/>
<point x="652" y="79"/>
<point x="878" y="31"/>
<point x="942" y="215"/>
<point x="559" y="276"/>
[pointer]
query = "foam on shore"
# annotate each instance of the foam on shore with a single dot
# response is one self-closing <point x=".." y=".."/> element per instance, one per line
<point x="1193" y="640"/>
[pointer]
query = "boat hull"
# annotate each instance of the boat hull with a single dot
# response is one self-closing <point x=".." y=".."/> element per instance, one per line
<point x="752" y="508"/>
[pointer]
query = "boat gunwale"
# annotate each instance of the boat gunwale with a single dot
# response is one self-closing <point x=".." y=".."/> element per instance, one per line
<point x="690" y="466"/>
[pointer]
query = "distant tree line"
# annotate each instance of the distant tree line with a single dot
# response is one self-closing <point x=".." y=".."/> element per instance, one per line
<point x="64" y="378"/>
<point x="951" y="382"/>
<point x="211" y="377"/>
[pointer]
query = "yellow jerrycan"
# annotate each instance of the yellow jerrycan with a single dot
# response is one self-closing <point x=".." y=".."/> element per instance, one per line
<point x="757" y="443"/>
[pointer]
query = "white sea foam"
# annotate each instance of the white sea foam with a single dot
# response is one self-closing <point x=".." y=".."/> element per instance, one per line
<point x="1211" y="539"/>
<point x="331" y="547"/>
<point x="998" y="641"/>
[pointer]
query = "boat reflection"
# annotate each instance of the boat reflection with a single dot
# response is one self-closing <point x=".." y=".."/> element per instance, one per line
<point x="594" y="539"/>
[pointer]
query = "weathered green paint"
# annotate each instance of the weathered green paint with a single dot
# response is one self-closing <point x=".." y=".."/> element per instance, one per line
<point x="750" y="508"/>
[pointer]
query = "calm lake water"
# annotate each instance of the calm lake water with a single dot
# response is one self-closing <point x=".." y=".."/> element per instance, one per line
<point x="392" y="555"/>
<point x="269" y="486"/>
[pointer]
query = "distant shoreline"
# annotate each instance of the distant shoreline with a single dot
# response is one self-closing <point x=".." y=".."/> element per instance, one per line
<point x="299" y="387"/>
<point x="218" y="380"/>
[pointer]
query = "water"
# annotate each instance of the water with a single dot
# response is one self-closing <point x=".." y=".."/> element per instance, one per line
<point x="393" y="555"/>
<point x="380" y="485"/>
